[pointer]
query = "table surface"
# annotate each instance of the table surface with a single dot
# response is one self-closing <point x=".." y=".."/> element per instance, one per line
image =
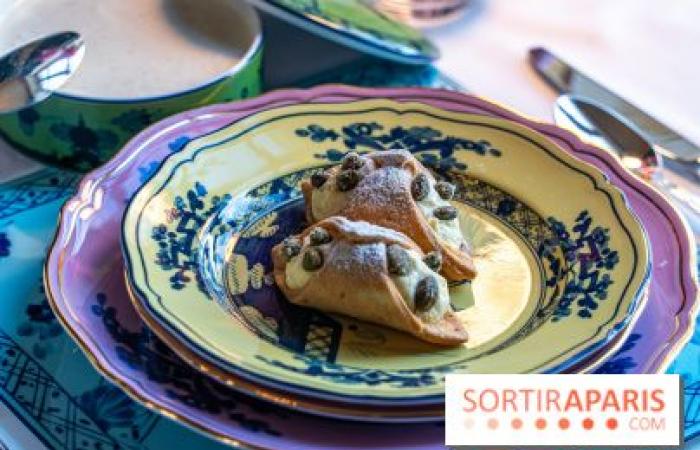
<point x="486" y="52"/>
<point x="644" y="50"/>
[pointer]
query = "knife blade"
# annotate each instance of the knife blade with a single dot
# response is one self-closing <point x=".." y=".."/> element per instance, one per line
<point x="566" y="79"/>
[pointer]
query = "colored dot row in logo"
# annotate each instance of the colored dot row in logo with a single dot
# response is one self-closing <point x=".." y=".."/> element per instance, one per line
<point x="541" y="423"/>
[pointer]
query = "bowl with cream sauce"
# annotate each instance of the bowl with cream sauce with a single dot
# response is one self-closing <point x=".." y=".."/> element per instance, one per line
<point x="144" y="60"/>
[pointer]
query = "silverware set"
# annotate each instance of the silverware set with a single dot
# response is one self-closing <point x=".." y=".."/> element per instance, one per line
<point x="645" y="145"/>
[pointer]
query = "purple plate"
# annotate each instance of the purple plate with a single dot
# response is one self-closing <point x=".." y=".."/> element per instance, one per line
<point x="86" y="287"/>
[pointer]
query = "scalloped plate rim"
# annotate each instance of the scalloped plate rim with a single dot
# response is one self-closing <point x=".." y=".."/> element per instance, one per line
<point x="602" y="184"/>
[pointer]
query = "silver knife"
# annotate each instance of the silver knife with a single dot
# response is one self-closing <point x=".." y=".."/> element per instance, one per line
<point x="566" y="79"/>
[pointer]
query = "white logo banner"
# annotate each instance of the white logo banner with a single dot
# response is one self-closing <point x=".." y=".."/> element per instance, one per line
<point x="541" y="410"/>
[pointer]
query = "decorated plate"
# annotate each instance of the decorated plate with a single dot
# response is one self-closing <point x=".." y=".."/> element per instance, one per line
<point x="197" y="238"/>
<point x="123" y="350"/>
<point x="357" y="25"/>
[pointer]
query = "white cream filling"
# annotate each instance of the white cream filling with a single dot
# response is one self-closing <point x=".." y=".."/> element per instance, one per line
<point x="447" y="230"/>
<point x="327" y="201"/>
<point x="407" y="287"/>
<point x="295" y="275"/>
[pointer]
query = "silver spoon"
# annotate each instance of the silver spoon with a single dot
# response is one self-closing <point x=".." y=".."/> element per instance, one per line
<point x="31" y="73"/>
<point x="679" y="179"/>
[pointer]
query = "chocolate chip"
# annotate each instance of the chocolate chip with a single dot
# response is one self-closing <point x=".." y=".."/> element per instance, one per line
<point x="445" y="190"/>
<point x="420" y="187"/>
<point x="352" y="161"/>
<point x="319" y="179"/>
<point x="397" y="260"/>
<point x="291" y="247"/>
<point x="445" y="212"/>
<point x="319" y="236"/>
<point x="433" y="260"/>
<point x="427" y="293"/>
<point x="313" y="259"/>
<point x="347" y="180"/>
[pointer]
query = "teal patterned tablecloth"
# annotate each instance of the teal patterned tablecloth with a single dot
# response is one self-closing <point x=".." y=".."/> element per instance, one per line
<point x="46" y="380"/>
<point x="687" y="364"/>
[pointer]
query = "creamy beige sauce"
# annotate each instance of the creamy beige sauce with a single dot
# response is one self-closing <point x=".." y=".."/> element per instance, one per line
<point x="137" y="48"/>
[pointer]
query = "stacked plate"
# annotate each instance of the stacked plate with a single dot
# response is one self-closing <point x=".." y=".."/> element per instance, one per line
<point x="160" y="267"/>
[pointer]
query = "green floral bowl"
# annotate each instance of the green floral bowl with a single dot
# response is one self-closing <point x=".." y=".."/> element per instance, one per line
<point x="82" y="132"/>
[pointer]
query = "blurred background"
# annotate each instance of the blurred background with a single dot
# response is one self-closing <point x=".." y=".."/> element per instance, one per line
<point x="641" y="49"/>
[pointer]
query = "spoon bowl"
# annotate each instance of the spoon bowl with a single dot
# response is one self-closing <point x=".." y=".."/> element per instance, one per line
<point x="31" y="73"/>
<point x="608" y="130"/>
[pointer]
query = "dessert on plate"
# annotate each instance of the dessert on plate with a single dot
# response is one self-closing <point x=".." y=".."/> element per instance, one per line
<point x="370" y="273"/>
<point x="392" y="189"/>
<point x="383" y="243"/>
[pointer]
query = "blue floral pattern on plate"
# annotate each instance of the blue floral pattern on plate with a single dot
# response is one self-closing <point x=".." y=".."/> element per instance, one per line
<point x="370" y="127"/>
<point x="587" y="252"/>
<point x="577" y="258"/>
<point x="177" y="234"/>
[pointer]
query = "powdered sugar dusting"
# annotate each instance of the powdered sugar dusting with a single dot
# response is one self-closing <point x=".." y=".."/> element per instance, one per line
<point x="359" y="249"/>
<point x="382" y="187"/>
<point x="361" y="260"/>
<point x="367" y="231"/>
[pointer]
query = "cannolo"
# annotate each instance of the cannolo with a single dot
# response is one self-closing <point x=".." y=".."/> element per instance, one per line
<point x="393" y="189"/>
<point x="370" y="273"/>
